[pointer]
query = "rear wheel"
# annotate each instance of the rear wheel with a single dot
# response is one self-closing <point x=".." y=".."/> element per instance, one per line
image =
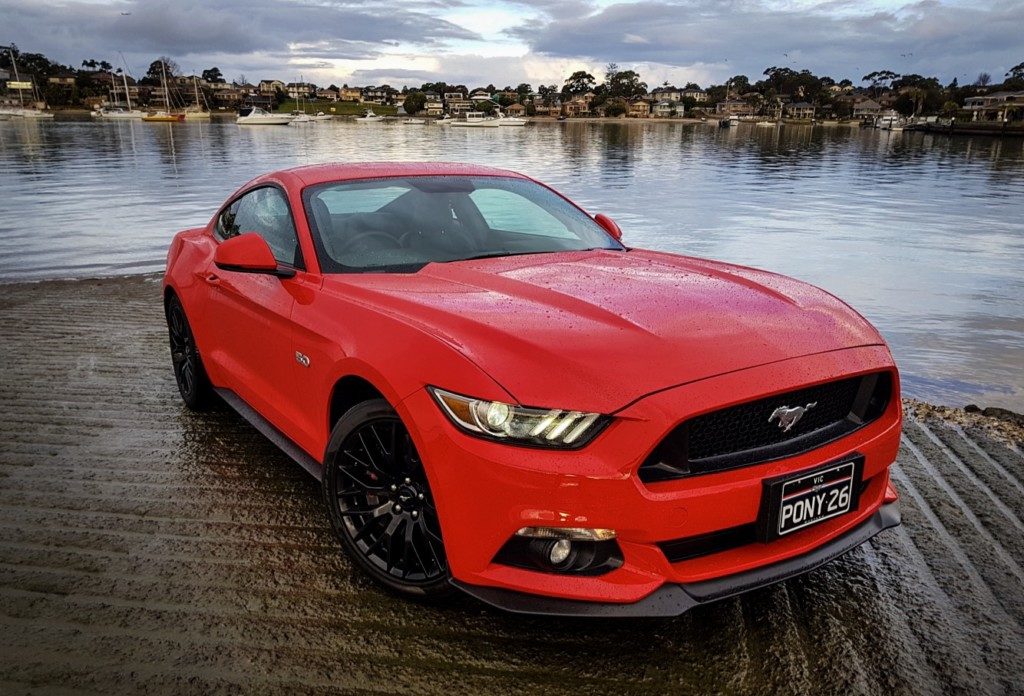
<point x="380" y="504"/>
<point x="194" y="385"/>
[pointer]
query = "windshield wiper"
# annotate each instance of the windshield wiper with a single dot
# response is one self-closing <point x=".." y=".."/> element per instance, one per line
<point x="493" y="254"/>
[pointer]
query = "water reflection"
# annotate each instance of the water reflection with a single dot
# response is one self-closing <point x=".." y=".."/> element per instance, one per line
<point x="921" y="233"/>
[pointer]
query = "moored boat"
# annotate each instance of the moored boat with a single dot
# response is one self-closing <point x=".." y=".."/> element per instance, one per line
<point x="163" y="117"/>
<point x="476" y="119"/>
<point x="370" y="116"/>
<point x="510" y="120"/>
<point x="255" y="116"/>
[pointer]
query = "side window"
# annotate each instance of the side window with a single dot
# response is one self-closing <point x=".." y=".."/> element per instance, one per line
<point x="264" y="211"/>
<point x="509" y="212"/>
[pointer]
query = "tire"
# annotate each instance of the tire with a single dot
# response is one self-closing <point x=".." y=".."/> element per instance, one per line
<point x="380" y="505"/>
<point x="189" y="373"/>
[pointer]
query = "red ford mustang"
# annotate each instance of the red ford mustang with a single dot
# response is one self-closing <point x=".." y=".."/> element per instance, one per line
<point x="499" y="396"/>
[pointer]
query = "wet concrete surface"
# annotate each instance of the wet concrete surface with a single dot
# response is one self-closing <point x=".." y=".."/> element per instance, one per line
<point x="146" y="549"/>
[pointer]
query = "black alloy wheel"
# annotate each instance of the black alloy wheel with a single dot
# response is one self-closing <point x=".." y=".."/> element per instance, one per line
<point x="189" y="372"/>
<point x="380" y="503"/>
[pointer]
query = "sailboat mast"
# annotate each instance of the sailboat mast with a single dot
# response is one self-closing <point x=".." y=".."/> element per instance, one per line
<point x="195" y="84"/>
<point x="127" y="96"/>
<point x="167" y="94"/>
<point x="14" y="63"/>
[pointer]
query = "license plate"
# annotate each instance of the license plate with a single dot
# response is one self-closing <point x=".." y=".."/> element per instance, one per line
<point x="797" y="502"/>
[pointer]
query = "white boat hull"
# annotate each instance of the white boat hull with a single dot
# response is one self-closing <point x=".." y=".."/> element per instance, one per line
<point x="263" y="120"/>
<point x="475" y="124"/>
<point x="119" y="115"/>
<point x="512" y="121"/>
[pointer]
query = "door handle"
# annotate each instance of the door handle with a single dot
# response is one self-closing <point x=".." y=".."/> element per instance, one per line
<point x="212" y="279"/>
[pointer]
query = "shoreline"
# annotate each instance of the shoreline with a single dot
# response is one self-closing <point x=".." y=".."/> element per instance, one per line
<point x="1003" y="421"/>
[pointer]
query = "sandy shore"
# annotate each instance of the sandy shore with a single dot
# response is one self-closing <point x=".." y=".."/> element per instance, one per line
<point x="144" y="549"/>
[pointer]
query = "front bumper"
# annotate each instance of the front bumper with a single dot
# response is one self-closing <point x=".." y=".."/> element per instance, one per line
<point x="485" y="491"/>
<point x="674" y="599"/>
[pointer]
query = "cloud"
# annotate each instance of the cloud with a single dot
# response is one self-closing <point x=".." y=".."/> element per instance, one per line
<point x="838" y="38"/>
<point x="72" y="30"/>
<point x="538" y="41"/>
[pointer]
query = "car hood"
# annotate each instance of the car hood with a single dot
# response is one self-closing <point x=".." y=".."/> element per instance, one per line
<point x="596" y="330"/>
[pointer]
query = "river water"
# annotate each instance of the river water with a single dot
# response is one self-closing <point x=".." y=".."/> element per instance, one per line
<point x="923" y="234"/>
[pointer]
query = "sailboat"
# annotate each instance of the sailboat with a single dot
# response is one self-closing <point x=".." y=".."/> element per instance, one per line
<point x="22" y="112"/>
<point x="116" y="112"/>
<point x="165" y="115"/>
<point x="196" y="112"/>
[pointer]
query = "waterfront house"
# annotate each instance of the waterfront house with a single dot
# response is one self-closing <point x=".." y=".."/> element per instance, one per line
<point x="800" y="109"/>
<point x="378" y="95"/>
<point x="669" y="94"/>
<point x="734" y="107"/>
<point x="666" y="109"/>
<point x="62" y="80"/>
<point x="998" y="107"/>
<point x="350" y="94"/>
<point x="300" y="90"/>
<point x="231" y="97"/>
<point x="271" y="86"/>
<point x="866" y="108"/>
<point x="327" y="94"/>
<point x="434" y="109"/>
<point x="639" y="108"/>
<point x="698" y="95"/>
<point x="480" y="95"/>
<point x="263" y="101"/>
<point x="515" y="110"/>
<point x="578" y="106"/>
<point x="432" y="96"/>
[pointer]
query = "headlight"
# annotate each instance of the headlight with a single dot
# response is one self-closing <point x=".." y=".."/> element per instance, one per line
<point x="517" y="424"/>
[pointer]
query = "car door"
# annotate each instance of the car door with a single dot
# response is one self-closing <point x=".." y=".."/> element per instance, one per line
<point x="250" y="313"/>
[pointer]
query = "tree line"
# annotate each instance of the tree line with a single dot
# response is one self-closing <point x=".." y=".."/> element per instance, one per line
<point x="917" y="94"/>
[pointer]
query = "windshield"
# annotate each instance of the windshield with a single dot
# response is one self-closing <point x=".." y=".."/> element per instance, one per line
<point x="402" y="224"/>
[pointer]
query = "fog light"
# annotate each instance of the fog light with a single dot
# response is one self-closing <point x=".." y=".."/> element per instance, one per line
<point x="559" y="551"/>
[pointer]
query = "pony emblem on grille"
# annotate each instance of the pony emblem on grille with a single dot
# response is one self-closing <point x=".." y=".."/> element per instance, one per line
<point x="788" y="417"/>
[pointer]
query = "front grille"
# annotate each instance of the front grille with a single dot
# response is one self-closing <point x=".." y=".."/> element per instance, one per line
<point x="743" y="435"/>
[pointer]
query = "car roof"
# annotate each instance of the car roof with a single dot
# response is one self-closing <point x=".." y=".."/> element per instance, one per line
<point x="344" y="171"/>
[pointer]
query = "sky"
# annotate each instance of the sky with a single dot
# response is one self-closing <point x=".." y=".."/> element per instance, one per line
<point x="408" y="42"/>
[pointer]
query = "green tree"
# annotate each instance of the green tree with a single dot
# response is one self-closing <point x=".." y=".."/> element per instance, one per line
<point x="615" y="107"/>
<point x="155" y="73"/>
<point x="950" y="109"/>
<point x="580" y="82"/>
<point x="213" y="75"/>
<point x="1016" y="72"/>
<point x="524" y="90"/>
<point x="904" y="104"/>
<point x="487" y="107"/>
<point x="983" y="79"/>
<point x="740" y="84"/>
<point x="879" y="79"/>
<point x="626" y="84"/>
<point x="414" y="102"/>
